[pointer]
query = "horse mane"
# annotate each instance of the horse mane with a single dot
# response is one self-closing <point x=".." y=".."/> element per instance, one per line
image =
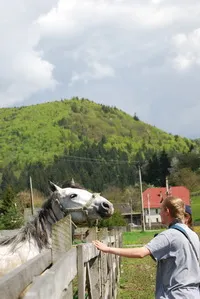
<point x="38" y="228"/>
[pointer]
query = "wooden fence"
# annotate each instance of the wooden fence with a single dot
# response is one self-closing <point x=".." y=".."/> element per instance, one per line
<point x="67" y="271"/>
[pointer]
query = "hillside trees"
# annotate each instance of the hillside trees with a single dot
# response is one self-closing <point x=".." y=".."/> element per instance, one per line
<point x="100" y="169"/>
<point x="97" y="167"/>
<point x="8" y="179"/>
<point x="185" y="170"/>
<point x="97" y="145"/>
<point x="36" y="133"/>
<point x="185" y="177"/>
<point x="135" y="117"/>
<point x="157" y="169"/>
<point x="11" y="212"/>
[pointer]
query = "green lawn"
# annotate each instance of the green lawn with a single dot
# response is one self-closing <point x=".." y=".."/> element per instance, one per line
<point x="196" y="208"/>
<point x="137" y="279"/>
<point x="138" y="237"/>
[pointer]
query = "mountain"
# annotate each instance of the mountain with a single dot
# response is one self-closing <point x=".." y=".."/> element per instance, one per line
<point x="37" y="133"/>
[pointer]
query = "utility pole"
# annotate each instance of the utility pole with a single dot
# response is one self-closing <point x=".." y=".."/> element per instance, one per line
<point x="167" y="186"/>
<point x="149" y="211"/>
<point x="142" y="204"/>
<point x="31" y="193"/>
<point x="131" y="211"/>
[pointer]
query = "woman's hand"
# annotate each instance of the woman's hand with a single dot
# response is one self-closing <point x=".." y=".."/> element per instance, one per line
<point x="101" y="246"/>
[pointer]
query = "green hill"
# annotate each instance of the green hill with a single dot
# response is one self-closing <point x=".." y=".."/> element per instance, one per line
<point x="37" y="133"/>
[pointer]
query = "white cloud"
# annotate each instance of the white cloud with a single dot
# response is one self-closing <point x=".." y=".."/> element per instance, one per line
<point x="127" y="53"/>
<point x="24" y="71"/>
<point x="97" y="71"/>
<point x="75" y="16"/>
<point x="187" y="47"/>
<point x="157" y="1"/>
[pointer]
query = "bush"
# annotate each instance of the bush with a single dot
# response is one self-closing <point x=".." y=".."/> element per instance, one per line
<point x="11" y="210"/>
<point x="116" y="220"/>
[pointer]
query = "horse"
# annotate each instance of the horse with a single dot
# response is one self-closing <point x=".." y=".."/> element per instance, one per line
<point x="35" y="236"/>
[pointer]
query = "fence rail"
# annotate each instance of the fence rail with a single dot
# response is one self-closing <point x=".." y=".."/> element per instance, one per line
<point x="52" y="274"/>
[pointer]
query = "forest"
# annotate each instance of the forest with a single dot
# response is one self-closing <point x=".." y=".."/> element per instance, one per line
<point x="100" y="147"/>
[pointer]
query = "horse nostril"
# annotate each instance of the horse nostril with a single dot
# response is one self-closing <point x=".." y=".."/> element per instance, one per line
<point x="105" y="205"/>
<point x="105" y="209"/>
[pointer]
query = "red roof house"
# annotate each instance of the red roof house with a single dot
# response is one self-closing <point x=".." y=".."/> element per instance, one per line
<point x="155" y="195"/>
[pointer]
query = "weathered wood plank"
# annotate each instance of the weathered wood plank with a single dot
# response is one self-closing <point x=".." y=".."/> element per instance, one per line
<point x="12" y="284"/>
<point x="89" y="282"/>
<point x="95" y="277"/>
<point x="61" y="237"/>
<point x="92" y="235"/>
<point x="90" y="251"/>
<point x="107" y="288"/>
<point x="102" y="233"/>
<point x="61" y="243"/>
<point x="103" y="273"/>
<point x="81" y="268"/>
<point x="56" y="280"/>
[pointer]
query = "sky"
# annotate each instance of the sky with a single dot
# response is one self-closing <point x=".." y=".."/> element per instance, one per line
<point x="141" y="56"/>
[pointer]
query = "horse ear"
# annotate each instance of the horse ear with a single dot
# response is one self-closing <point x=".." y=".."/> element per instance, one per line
<point x="53" y="186"/>
<point x="72" y="182"/>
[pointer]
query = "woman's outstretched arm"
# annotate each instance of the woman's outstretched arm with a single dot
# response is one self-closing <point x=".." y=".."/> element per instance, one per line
<point x="138" y="252"/>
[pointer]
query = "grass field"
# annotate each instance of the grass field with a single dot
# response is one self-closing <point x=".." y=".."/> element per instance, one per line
<point x="138" y="275"/>
<point x="138" y="237"/>
<point x="197" y="230"/>
<point x="195" y="208"/>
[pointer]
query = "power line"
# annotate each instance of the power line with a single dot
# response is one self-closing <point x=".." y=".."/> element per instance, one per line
<point x="96" y="160"/>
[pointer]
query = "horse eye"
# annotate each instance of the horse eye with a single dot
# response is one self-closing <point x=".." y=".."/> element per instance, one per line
<point x="73" y="195"/>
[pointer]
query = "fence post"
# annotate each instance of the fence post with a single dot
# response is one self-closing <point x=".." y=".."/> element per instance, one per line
<point x="93" y="273"/>
<point x="103" y="261"/>
<point x="62" y="242"/>
<point x="92" y="234"/>
<point x="81" y="269"/>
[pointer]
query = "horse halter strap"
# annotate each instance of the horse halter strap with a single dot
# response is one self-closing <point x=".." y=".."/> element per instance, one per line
<point x="83" y="209"/>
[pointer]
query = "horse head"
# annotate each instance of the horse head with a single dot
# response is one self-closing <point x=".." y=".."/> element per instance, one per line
<point x="81" y="204"/>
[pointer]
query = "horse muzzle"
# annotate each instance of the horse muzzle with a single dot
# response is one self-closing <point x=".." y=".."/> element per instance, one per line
<point x="106" y="210"/>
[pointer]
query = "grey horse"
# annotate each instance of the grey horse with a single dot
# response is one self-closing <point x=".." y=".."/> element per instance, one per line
<point x="35" y="236"/>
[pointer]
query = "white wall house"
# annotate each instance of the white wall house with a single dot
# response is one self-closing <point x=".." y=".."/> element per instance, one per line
<point x="152" y="198"/>
<point x="152" y="216"/>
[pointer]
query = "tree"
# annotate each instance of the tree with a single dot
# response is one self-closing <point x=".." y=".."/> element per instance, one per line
<point x="185" y="177"/>
<point x="157" y="169"/>
<point x="132" y="195"/>
<point x="189" y="160"/>
<point x="152" y="174"/>
<point x="8" y="179"/>
<point x="135" y="117"/>
<point x="164" y="167"/>
<point x="116" y="220"/>
<point x="12" y="219"/>
<point x="12" y="213"/>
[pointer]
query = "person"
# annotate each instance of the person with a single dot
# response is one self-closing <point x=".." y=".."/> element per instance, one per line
<point x="188" y="216"/>
<point x="178" y="270"/>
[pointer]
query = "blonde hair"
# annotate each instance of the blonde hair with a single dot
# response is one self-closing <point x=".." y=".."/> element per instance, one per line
<point x="176" y="207"/>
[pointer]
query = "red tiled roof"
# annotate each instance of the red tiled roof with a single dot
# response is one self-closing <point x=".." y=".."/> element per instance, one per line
<point x="156" y="194"/>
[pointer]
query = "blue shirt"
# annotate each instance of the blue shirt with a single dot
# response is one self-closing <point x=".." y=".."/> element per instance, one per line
<point x="178" y="270"/>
